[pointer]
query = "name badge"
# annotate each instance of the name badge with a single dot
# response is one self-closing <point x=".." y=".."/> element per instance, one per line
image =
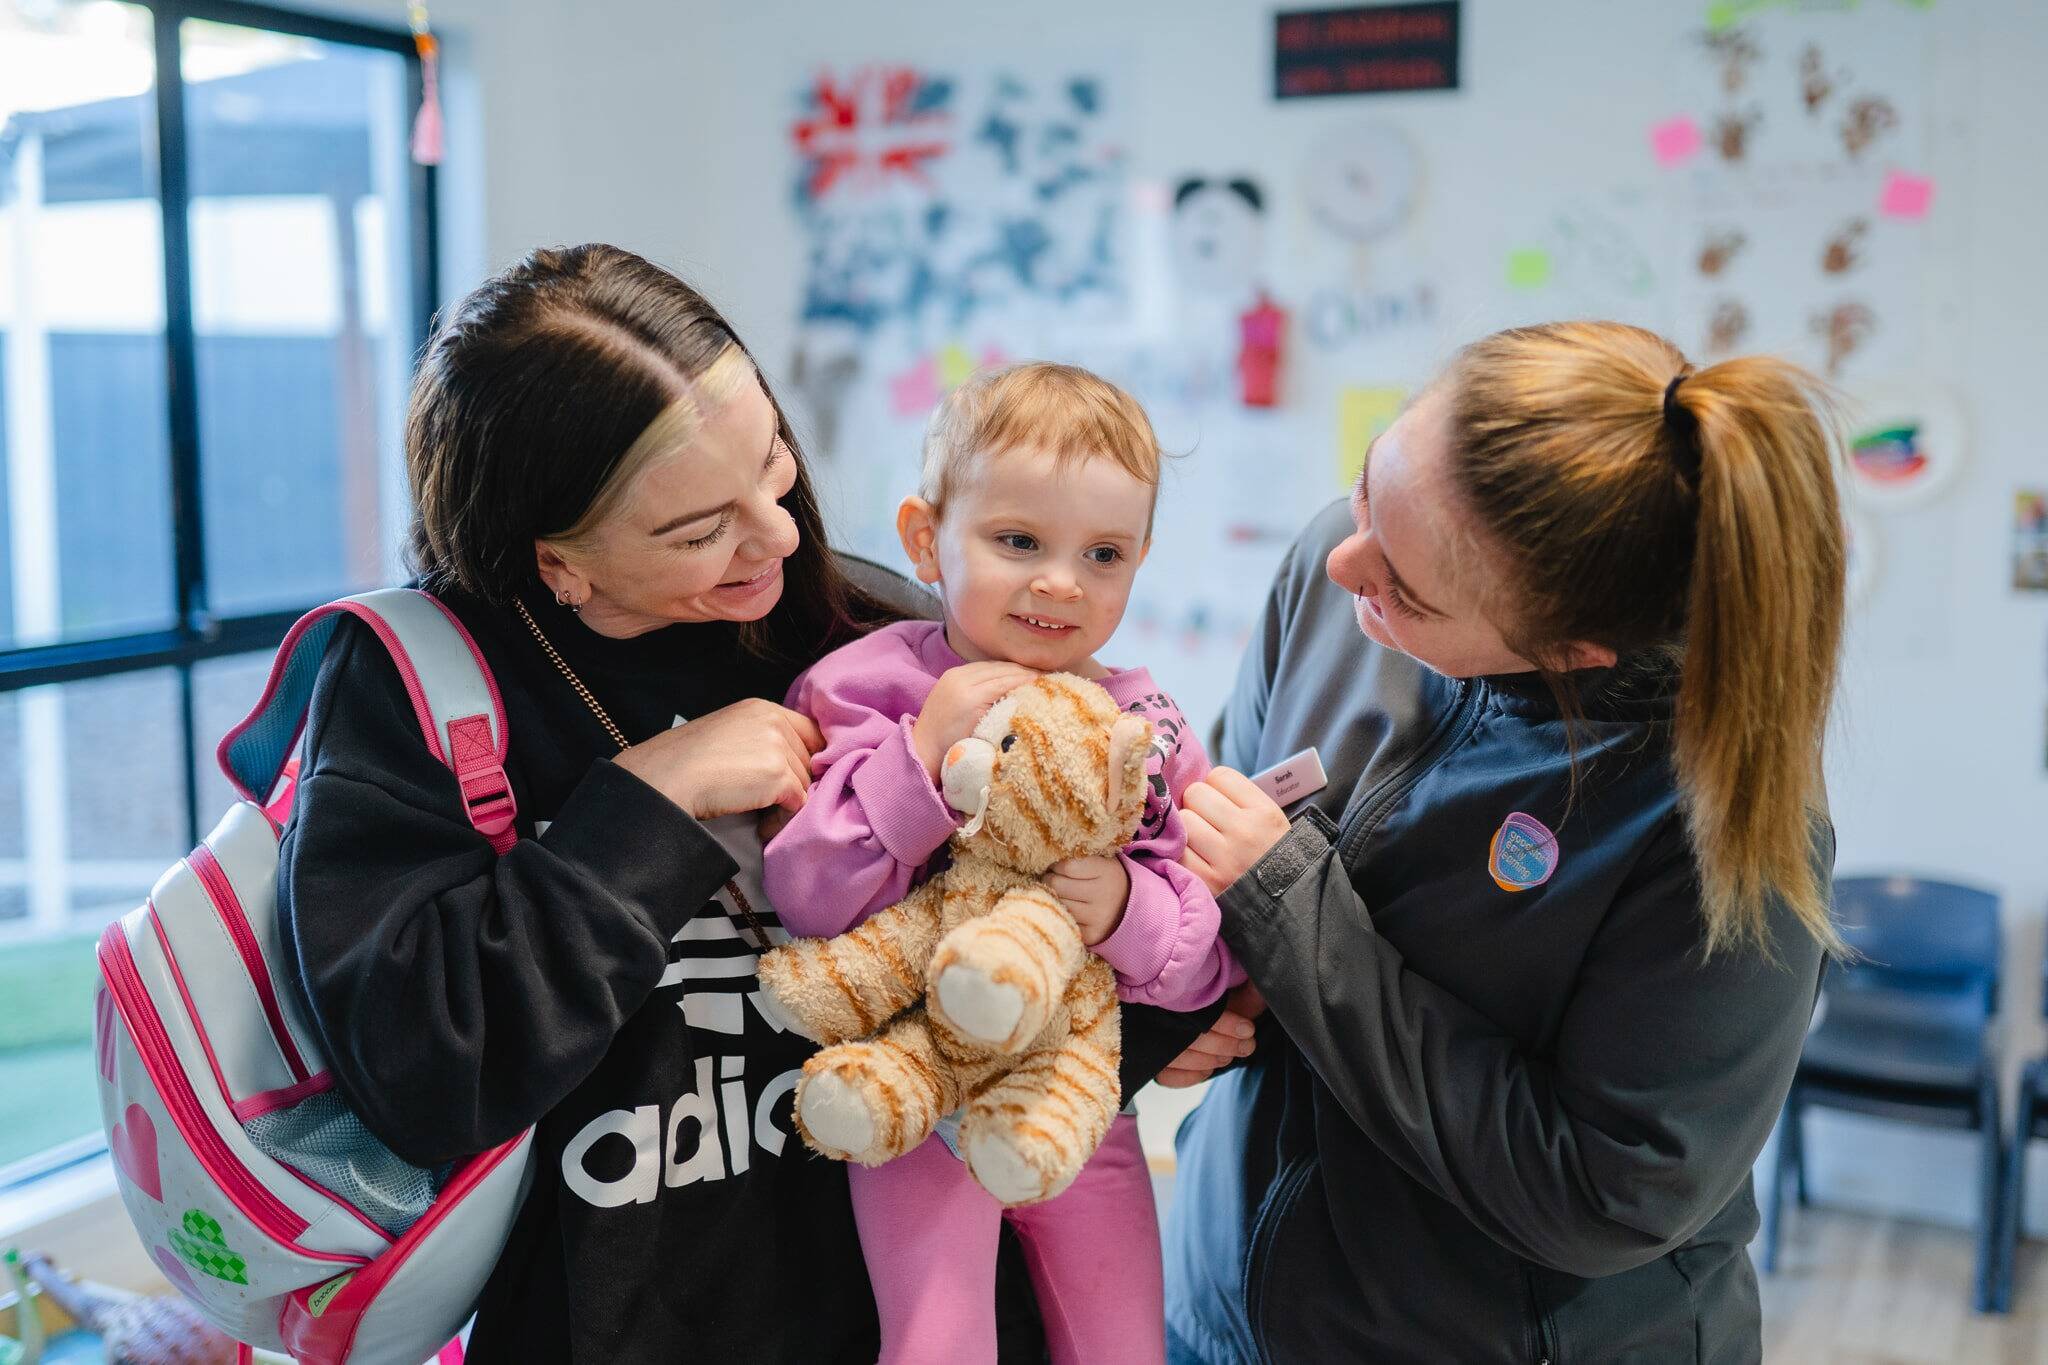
<point x="1523" y="853"/>
<point x="1292" y="779"/>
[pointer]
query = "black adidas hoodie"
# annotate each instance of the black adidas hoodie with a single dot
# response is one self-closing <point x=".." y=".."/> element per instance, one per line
<point x="594" y="981"/>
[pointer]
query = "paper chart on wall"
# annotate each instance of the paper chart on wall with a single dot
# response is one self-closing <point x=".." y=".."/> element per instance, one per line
<point x="1812" y="171"/>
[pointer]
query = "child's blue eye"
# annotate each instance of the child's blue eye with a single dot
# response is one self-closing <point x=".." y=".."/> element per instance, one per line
<point x="1105" y="554"/>
<point x="1017" y="540"/>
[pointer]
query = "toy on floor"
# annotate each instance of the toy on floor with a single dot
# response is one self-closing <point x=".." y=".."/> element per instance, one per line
<point x="976" y="989"/>
<point x="133" y="1327"/>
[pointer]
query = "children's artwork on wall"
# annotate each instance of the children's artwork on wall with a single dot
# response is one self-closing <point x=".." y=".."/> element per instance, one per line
<point x="1842" y="330"/>
<point x="917" y="388"/>
<point x="1363" y="412"/>
<point x="1722" y="13"/>
<point x="1361" y="181"/>
<point x="1262" y="332"/>
<point x="934" y="198"/>
<point x="1727" y="327"/>
<point x="1721" y="247"/>
<point x="1867" y="119"/>
<point x="1844" y="250"/>
<point x="1816" y="80"/>
<point x="1732" y="130"/>
<point x="1736" y="52"/>
<point x="2030" y="540"/>
<point x="822" y="372"/>
<point x="1592" y="256"/>
<point x="1218" y="236"/>
<point x="1906" y="443"/>
<point x="1338" y="318"/>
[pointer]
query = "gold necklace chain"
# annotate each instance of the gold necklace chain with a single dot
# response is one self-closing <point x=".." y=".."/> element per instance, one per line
<point x="547" y="645"/>
<point x="611" y="728"/>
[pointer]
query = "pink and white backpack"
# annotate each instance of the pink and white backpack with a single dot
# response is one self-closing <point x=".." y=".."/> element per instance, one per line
<point x="259" y="1194"/>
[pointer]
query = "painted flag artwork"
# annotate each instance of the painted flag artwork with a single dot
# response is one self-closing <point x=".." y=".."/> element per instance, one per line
<point x="938" y="199"/>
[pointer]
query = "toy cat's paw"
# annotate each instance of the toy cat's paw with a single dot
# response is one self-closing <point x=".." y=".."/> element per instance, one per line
<point x="981" y="1007"/>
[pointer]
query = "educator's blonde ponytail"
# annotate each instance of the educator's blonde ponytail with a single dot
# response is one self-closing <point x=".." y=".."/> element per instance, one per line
<point x="1701" y="520"/>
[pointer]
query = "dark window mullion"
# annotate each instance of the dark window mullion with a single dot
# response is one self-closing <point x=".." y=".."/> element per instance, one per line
<point x="180" y="342"/>
<point x="426" y="223"/>
<point x="196" y="635"/>
<point x="188" y="725"/>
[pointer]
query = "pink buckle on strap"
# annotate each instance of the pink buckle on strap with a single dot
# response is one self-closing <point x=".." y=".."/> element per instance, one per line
<point x="486" y="792"/>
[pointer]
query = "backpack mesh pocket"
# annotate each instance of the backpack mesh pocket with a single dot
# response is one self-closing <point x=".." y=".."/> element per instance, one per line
<point x="322" y="1139"/>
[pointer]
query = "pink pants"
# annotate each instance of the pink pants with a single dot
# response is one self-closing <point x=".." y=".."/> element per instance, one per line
<point x="929" y="1234"/>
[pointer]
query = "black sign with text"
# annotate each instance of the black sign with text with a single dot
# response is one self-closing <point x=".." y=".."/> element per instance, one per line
<point x="1365" y="50"/>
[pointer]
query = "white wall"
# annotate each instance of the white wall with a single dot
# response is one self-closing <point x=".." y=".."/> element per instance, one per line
<point x="663" y="126"/>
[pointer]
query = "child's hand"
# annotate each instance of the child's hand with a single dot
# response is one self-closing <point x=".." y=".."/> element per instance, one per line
<point x="1095" y="891"/>
<point x="957" y="704"/>
<point x="1231" y="824"/>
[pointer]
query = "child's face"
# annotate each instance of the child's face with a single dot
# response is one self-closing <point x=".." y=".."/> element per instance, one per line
<point x="1035" y="561"/>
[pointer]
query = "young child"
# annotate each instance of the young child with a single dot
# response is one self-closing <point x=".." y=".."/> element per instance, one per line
<point x="1033" y="513"/>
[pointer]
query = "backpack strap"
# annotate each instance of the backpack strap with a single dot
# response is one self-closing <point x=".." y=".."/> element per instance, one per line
<point x="453" y="694"/>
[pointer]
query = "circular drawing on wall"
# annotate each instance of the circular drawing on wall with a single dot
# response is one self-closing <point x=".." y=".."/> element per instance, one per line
<point x="1361" y="180"/>
<point x="1906" y="442"/>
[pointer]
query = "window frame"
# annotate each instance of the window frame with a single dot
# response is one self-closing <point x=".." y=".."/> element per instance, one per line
<point x="197" y="634"/>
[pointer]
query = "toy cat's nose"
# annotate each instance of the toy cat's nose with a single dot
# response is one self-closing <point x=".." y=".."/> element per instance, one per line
<point x="966" y="774"/>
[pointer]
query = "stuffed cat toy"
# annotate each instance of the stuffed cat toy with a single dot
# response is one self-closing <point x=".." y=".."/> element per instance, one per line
<point x="976" y="989"/>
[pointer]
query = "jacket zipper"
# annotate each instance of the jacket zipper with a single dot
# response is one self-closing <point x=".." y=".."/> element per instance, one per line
<point x="1285" y="1191"/>
<point x="1545" y="1337"/>
<point x="160" y="1060"/>
<point x="228" y="907"/>
<point x="1450" y="731"/>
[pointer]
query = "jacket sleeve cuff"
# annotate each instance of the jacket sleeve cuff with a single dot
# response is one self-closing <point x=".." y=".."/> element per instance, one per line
<point x="1138" y="948"/>
<point x="610" y="825"/>
<point x="1256" y="896"/>
<point x="902" y="805"/>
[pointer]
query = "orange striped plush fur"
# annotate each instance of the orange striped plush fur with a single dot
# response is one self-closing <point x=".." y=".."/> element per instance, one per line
<point x="976" y="989"/>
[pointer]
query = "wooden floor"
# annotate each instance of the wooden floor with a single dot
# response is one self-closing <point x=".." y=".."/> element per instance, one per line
<point x="1858" y="1289"/>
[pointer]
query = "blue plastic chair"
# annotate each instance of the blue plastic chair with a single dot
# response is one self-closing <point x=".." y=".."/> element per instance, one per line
<point x="1906" y="1035"/>
<point x="2029" y="1122"/>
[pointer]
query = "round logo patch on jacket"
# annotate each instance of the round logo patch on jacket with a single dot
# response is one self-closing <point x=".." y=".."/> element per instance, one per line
<point x="1523" y="853"/>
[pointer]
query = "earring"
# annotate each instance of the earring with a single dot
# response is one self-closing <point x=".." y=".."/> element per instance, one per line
<point x="561" y="597"/>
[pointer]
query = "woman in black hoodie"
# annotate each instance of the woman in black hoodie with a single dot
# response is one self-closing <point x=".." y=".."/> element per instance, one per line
<point x="611" y="502"/>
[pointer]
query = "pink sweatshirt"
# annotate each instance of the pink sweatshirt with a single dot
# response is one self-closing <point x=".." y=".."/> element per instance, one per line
<point x="875" y="819"/>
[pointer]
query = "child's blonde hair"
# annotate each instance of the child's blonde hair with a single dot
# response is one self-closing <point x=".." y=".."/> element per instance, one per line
<point x="1037" y="405"/>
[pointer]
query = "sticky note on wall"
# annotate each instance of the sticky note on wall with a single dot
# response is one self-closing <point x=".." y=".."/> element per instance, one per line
<point x="1362" y="414"/>
<point x="1528" y="268"/>
<point x="1676" y="141"/>
<point x="1905" y="196"/>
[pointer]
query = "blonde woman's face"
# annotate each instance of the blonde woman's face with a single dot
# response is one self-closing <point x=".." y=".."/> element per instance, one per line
<point x="702" y="535"/>
<point x="1412" y="563"/>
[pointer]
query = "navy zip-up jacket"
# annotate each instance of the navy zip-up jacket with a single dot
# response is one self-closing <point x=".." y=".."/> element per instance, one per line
<point x="1482" y="1123"/>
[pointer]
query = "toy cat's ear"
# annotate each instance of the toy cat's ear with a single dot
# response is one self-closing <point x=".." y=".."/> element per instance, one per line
<point x="1127" y="741"/>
